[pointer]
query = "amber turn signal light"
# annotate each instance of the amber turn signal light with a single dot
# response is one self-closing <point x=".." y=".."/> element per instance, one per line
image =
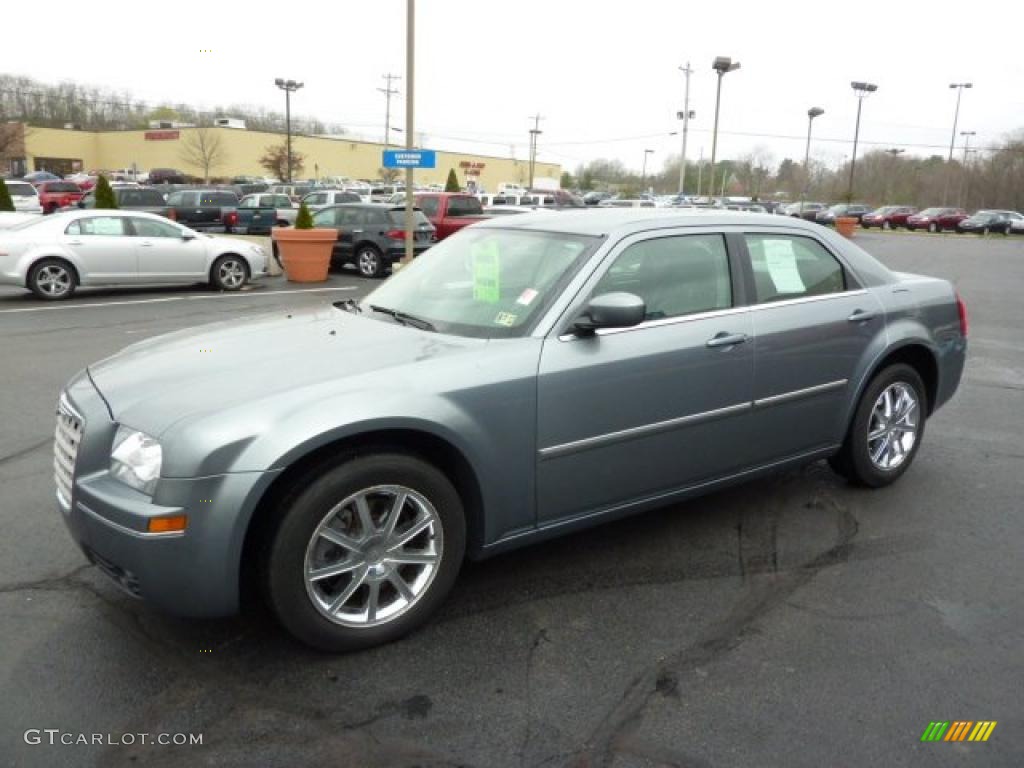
<point x="168" y="524"/>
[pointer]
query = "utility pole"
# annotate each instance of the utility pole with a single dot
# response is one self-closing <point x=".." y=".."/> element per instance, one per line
<point x="700" y="170"/>
<point x="956" y="117"/>
<point x="388" y="93"/>
<point x="861" y="91"/>
<point x="534" y="133"/>
<point x="686" y="127"/>
<point x="966" y="185"/>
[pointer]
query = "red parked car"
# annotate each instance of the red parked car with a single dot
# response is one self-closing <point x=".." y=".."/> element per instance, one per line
<point x="936" y="219"/>
<point x="888" y="217"/>
<point x="54" y="195"/>
<point x="449" y="211"/>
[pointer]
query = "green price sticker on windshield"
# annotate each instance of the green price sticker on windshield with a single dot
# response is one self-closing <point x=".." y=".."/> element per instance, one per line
<point x="486" y="272"/>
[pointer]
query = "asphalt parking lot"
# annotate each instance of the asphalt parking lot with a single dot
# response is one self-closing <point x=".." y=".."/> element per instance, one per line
<point x="793" y="621"/>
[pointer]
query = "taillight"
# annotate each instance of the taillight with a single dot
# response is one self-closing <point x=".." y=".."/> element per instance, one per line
<point x="231" y="219"/>
<point x="961" y="310"/>
<point x="172" y="215"/>
<point x="396" y="234"/>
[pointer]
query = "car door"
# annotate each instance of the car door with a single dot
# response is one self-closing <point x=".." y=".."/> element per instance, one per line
<point x="163" y="254"/>
<point x="103" y="247"/>
<point x="634" y="413"/>
<point x="812" y="324"/>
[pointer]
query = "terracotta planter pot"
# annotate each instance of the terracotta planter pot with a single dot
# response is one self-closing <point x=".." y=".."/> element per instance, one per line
<point x="845" y="225"/>
<point x="305" y="253"/>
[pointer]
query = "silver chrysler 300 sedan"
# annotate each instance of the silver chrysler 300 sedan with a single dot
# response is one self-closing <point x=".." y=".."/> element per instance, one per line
<point x="525" y="378"/>
<point x="53" y="255"/>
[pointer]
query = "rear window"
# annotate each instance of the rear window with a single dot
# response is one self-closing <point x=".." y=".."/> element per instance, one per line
<point x="62" y="186"/>
<point x="397" y="217"/>
<point x="219" y="198"/>
<point x="140" y="197"/>
<point x="464" y="206"/>
<point x="21" y="189"/>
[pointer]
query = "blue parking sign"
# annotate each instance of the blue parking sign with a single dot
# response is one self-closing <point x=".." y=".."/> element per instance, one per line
<point x="410" y="158"/>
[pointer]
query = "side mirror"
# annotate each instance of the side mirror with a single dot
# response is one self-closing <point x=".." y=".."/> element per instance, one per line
<point x="188" y="235"/>
<point x="611" y="310"/>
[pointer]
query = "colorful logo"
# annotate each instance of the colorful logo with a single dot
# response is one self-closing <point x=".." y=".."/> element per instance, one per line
<point x="958" y="730"/>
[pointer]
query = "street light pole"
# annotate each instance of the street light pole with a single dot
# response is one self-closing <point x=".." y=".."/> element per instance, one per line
<point x="862" y="91"/>
<point x="812" y="113"/>
<point x="686" y="127"/>
<point x="289" y="87"/>
<point x="410" y="102"/>
<point x="966" y="188"/>
<point x="952" y="138"/>
<point x="643" y="173"/>
<point x="721" y="65"/>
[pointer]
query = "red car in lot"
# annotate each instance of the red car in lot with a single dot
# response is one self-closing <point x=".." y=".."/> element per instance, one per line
<point x="936" y="219"/>
<point x="54" y="195"/>
<point x="888" y="217"/>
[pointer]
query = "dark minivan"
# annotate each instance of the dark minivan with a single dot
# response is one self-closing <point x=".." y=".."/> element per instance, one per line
<point x="148" y="199"/>
<point x="372" y="235"/>
<point x="204" y="208"/>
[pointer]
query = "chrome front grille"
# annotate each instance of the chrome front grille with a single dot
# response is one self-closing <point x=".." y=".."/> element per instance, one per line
<point x="65" y="450"/>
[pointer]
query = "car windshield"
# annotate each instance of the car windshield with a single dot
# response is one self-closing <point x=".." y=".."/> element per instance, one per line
<point x="885" y="210"/>
<point x="930" y="212"/>
<point x="484" y="283"/>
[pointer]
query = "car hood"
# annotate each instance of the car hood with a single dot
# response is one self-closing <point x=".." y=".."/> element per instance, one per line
<point x="155" y="383"/>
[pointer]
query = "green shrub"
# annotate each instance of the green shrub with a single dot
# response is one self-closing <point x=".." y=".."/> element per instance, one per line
<point x="304" y="220"/>
<point x="6" y="204"/>
<point x="104" y="194"/>
<point x="452" y="185"/>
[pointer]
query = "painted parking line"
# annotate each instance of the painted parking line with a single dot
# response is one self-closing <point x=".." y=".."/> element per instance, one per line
<point x="177" y="298"/>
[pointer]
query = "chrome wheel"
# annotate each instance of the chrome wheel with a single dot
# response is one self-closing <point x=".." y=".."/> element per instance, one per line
<point x="53" y="280"/>
<point x="368" y="262"/>
<point x="893" y="426"/>
<point x="373" y="556"/>
<point x="231" y="274"/>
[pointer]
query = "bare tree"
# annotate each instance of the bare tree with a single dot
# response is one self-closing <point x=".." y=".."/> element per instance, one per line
<point x="202" y="148"/>
<point x="275" y="160"/>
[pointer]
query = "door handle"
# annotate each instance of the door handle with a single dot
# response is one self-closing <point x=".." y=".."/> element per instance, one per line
<point x="357" y="231"/>
<point x="74" y="242"/>
<point x="862" y="316"/>
<point x="146" y="245"/>
<point x="724" y="339"/>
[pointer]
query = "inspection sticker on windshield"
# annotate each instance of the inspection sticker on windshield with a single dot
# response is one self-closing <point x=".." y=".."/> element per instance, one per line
<point x="486" y="272"/>
<point x="526" y="297"/>
<point x="505" y="318"/>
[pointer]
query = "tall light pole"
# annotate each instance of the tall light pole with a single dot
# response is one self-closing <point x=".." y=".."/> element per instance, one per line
<point x="643" y="173"/>
<point x="410" y="103"/>
<point x="967" y="143"/>
<point x="686" y="115"/>
<point x="861" y="91"/>
<point x="812" y="113"/>
<point x="721" y="65"/>
<point x="388" y="92"/>
<point x="289" y="87"/>
<point x="534" y="133"/>
<point x="952" y="138"/>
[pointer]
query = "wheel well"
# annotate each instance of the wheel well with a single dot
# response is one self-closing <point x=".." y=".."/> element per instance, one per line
<point x="921" y="360"/>
<point x="72" y="267"/>
<point x="365" y="243"/>
<point x="430" y="448"/>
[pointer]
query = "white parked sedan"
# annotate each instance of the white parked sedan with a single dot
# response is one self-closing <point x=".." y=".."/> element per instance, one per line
<point x="53" y="255"/>
<point x="24" y="196"/>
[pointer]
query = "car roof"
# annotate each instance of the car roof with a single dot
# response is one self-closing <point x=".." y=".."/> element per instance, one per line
<point x="625" y="221"/>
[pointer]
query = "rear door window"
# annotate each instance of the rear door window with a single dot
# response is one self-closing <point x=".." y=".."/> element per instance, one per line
<point x="464" y="206"/>
<point x="792" y="267"/>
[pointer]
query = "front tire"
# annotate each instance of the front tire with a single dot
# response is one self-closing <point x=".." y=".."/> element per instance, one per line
<point x="229" y="273"/>
<point x="365" y="552"/>
<point x="886" y="225"/>
<point x="52" y="279"/>
<point x="887" y="429"/>
<point x="933" y="228"/>
<point x="369" y="261"/>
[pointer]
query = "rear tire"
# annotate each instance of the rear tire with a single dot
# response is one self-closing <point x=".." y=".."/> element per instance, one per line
<point x="933" y="228"/>
<point x="886" y="430"/>
<point x="369" y="261"/>
<point x="353" y="503"/>
<point x="886" y="225"/>
<point x="52" y="279"/>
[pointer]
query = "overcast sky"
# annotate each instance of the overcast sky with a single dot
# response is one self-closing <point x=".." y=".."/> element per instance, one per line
<point x="596" y="71"/>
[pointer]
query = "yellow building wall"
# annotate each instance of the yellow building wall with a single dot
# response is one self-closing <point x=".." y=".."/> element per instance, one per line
<point x="242" y="150"/>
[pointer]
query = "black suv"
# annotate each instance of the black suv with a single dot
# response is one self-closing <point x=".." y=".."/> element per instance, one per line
<point x="372" y="235"/>
<point x="204" y="208"/>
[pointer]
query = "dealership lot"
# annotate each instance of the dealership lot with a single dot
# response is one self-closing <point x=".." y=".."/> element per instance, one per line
<point x="753" y="626"/>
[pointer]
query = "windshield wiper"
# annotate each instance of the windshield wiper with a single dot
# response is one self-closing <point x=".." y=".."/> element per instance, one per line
<point x="349" y="305"/>
<point x="405" y="318"/>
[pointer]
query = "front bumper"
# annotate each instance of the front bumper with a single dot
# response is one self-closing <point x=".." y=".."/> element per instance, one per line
<point x="195" y="572"/>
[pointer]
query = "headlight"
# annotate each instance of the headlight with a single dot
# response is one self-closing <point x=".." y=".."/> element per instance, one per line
<point x="135" y="459"/>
